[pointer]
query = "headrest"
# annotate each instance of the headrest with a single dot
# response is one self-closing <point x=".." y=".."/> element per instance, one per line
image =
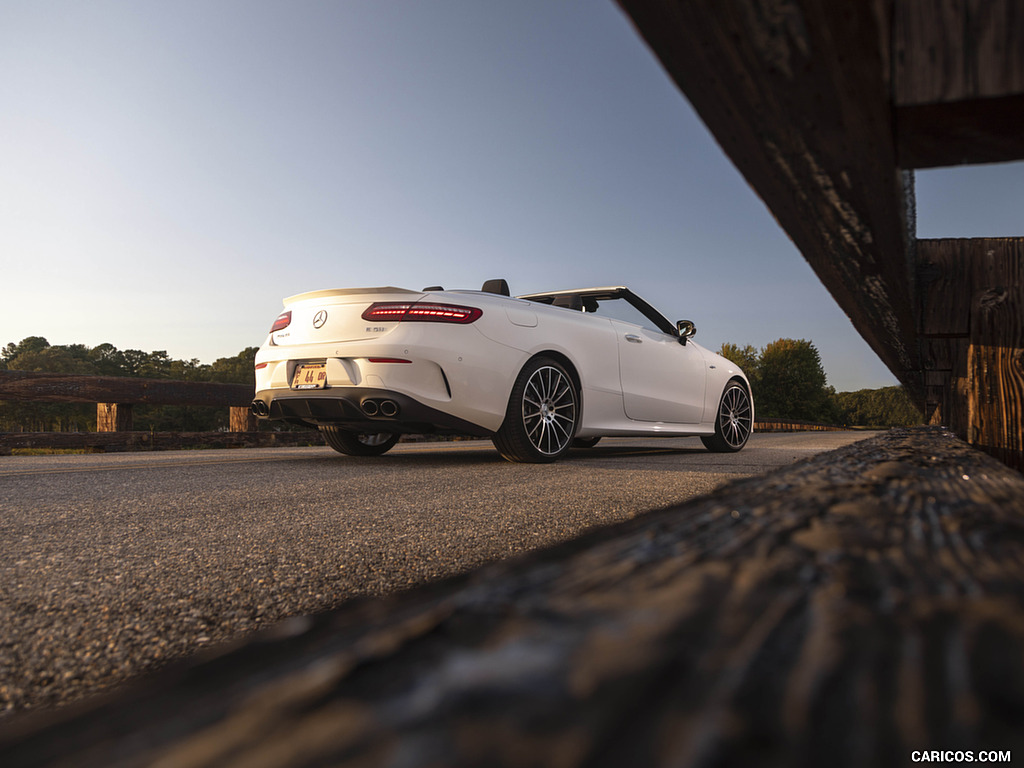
<point x="571" y="301"/>
<point x="498" y="286"/>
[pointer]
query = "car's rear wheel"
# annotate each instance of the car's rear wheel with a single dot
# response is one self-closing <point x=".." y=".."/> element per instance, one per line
<point x="542" y="414"/>
<point x="734" y="422"/>
<point x="357" y="443"/>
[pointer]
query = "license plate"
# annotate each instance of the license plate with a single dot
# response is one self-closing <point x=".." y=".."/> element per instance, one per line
<point x="310" y="376"/>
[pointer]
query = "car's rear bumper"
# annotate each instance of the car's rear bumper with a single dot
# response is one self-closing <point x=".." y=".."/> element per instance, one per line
<point x="362" y="409"/>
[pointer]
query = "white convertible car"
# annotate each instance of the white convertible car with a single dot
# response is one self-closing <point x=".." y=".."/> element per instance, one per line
<point x="538" y="374"/>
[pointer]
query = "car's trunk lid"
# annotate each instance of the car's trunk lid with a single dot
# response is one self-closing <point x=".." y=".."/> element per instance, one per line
<point x="335" y="316"/>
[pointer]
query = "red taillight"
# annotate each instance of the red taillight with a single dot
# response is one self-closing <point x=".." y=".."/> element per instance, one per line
<point x="261" y="366"/>
<point x="387" y="360"/>
<point x="282" y="322"/>
<point x="401" y="311"/>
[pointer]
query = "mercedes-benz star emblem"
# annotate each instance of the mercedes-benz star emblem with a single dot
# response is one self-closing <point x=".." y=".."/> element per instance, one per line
<point x="320" y="318"/>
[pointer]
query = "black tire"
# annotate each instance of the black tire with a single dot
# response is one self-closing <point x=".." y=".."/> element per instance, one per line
<point x="356" y="443"/>
<point x="585" y="442"/>
<point x="542" y="414"/>
<point x="734" y="421"/>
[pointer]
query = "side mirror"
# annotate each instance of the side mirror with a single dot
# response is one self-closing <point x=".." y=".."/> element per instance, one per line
<point x="686" y="330"/>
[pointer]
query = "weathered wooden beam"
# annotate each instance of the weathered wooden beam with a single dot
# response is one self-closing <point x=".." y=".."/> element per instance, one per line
<point x="957" y="50"/>
<point x="958" y="81"/>
<point x="798" y="95"/>
<point x="847" y="610"/>
<point x="980" y="131"/>
<point x="944" y="314"/>
<point x="972" y="330"/>
<point x="69" y="388"/>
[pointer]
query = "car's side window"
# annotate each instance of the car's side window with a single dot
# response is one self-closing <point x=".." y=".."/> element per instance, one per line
<point x="620" y="309"/>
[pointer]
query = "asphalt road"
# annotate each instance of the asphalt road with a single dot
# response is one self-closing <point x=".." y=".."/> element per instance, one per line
<point x="112" y="565"/>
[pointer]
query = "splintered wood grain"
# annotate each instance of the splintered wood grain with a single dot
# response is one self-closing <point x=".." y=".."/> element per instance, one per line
<point x="996" y="353"/>
<point x="845" y="611"/>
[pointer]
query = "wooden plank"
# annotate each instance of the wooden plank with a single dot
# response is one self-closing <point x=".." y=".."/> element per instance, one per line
<point x="943" y="294"/>
<point x="972" y="314"/>
<point x="845" y="610"/>
<point x="981" y="131"/>
<point x="944" y="297"/>
<point x="957" y="50"/>
<point x="797" y="93"/>
<point x="958" y="81"/>
<point x="68" y="388"/>
<point x="940" y="353"/>
<point x="996" y="353"/>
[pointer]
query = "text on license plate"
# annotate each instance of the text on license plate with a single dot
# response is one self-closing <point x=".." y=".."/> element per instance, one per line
<point x="310" y="376"/>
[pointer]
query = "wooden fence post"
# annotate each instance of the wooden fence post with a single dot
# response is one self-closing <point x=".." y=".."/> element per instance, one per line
<point x="242" y="420"/>
<point x="114" y="417"/>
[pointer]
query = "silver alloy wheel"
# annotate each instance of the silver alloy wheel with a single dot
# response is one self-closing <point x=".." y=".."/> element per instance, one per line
<point x="374" y="440"/>
<point x="734" y="417"/>
<point x="549" y="410"/>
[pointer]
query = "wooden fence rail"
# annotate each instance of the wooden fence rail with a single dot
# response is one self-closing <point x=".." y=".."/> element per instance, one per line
<point x="114" y="397"/>
<point x="72" y="388"/>
<point x="791" y="425"/>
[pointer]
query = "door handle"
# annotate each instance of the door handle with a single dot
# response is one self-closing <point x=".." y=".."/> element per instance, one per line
<point x="634" y="338"/>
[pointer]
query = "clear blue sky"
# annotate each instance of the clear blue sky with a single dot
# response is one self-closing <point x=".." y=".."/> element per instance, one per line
<point x="170" y="170"/>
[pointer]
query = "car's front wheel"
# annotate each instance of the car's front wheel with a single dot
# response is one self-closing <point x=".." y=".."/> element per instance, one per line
<point x="358" y="444"/>
<point x="734" y="422"/>
<point x="542" y="414"/>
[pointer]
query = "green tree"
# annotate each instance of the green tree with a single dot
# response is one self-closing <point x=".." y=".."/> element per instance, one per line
<point x="239" y="369"/>
<point x="791" y="383"/>
<point x="746" y="357"/>
<point x="58" y="359"/>
<point x="37" y="355"/>
<point x="108" y="360"/>
<point x="30" y="344"/>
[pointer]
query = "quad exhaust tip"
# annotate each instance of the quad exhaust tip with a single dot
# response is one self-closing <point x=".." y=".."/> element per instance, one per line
<point x="259" y="408"/>
<point x="388" y="408"/>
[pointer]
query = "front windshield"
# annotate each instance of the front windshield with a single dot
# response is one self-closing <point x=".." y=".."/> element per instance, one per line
<point x="622" y="310"/>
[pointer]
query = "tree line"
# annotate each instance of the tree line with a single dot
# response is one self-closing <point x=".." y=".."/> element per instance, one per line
<point x="789" y="382"/>
<point x="787" y="377"/>
<point x="36" y="354"/>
